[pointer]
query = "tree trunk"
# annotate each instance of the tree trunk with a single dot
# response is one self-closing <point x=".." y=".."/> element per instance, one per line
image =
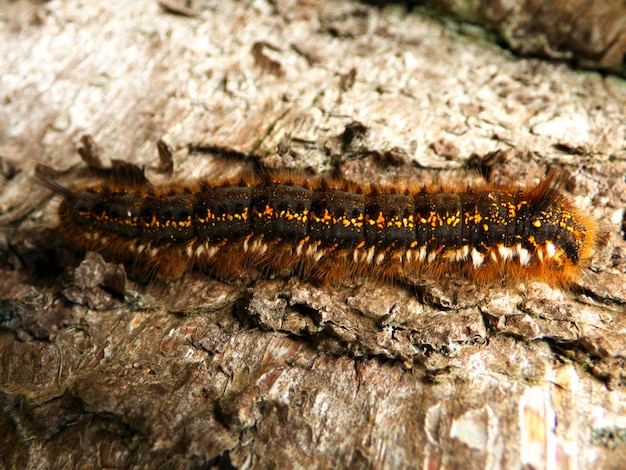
<point x="101" y="370"/>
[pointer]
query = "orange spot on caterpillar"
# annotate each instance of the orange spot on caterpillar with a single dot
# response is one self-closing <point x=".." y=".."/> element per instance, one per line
<point x="326" y="230"/>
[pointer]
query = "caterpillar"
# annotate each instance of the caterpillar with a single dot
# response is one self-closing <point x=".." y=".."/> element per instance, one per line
<point x="327" y="230"/>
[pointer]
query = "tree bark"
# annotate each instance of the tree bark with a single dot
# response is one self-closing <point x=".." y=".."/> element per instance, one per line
<point x="98" y="369"/>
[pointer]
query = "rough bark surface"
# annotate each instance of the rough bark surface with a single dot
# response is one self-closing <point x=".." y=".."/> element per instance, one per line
<point x="97" y="370"/>
<point x="590" y="34"/>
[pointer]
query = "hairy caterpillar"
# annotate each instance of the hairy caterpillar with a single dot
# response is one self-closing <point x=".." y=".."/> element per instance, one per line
<point x="324" y="229"/>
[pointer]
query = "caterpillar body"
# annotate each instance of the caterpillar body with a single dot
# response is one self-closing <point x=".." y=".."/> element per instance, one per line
<point x="326" y="230"/>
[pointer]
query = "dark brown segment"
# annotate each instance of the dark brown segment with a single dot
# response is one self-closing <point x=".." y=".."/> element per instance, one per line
<point x="168" y="218"/>
<point x="123" y="214"/>
<point x="390" y="221"/>
<point x="488" y="219"/>
<point x="83" y="207"/>
<point x="103" y="211"/>
<point x="556" y="224"/>
<point x="439" y="221"/>
<point x="336" y="218"/>
<point x="281" y="211"/>
<point x="223" y="213"/>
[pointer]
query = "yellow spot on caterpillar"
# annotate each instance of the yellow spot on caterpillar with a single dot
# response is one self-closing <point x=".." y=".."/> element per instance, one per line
<point x="434" y="219"/>
<point x="453" y="219"/>
<point x="209" y="214"/>
<point x="476" y="218"/>
<point x="325" y="219"/>
<point x="512" y="211"/>
<point x="537" y="223"/>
